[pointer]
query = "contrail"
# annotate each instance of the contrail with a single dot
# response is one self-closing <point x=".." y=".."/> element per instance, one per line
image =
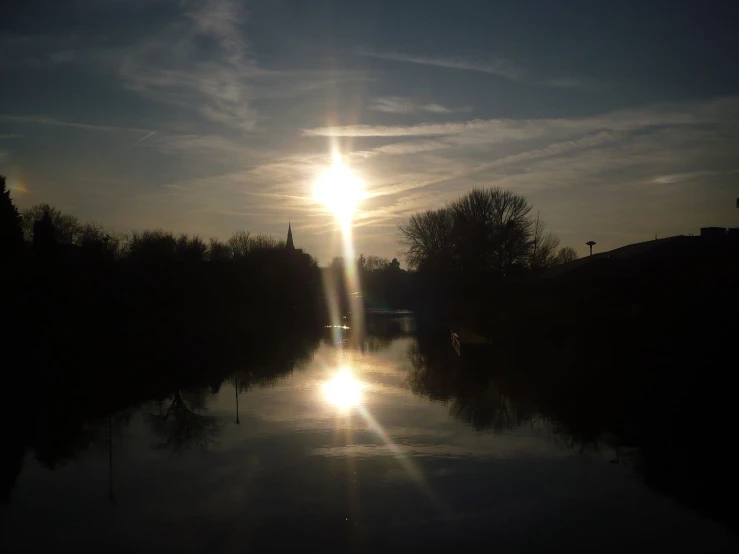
<point x="146" y="137"/>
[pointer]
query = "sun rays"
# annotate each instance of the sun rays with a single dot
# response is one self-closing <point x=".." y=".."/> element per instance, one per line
<point x="340" y="190"/>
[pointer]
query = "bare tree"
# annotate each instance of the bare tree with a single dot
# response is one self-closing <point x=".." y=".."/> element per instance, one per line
<point x="512" y="223"/>
<point x="487" y="230"/>
<point x="93" y="238"/>
<point x="265" y="242"/>
<point x="428" y="238"/>
<point x="565" y="255"/>
<point x="543" y="246"/>
<point x="239" y="244"/>
<point x="67" y="227"/>
<point x="218" y="251"/>
<point x="152" y="246"/>
<point x="181" y="427"/>
<point x="375" y="263"/>
<point x="190" y="249"/>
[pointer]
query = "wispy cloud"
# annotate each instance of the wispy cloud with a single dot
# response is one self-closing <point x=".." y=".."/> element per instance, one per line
<point x="563" y="159"/>
<point x="142" y="139"/>
<point x="679" y="177"/>
<point x="505" y="129"/>
<point x="36" y="50"/>
<point x="200" y="62"/>
<point x="401" y="148"/>
<point x="45" y="120"/>
<point x="201" y="145"/>
<point x="500" y="67"/>
<point x="424" y="129"/>
<point x="400" y="105"/>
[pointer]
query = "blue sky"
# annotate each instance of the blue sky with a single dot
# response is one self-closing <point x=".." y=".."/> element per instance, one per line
<point x="618" y="121"/>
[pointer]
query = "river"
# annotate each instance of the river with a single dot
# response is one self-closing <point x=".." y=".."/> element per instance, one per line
<point x="355" y="446"/>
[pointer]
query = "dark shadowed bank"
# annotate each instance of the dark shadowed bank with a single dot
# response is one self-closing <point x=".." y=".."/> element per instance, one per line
<point x="635" y="349"/>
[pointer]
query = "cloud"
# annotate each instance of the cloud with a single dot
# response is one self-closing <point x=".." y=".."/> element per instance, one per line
<point x="201" y="61"/>
<point x="504" y="129"/>
<point x="45" y="120"/>
<point x="626" y="154"/>
<point x="624" y="147"/>
<point x="400" y="105"/>
<point x="211" y="145"/>
<point x="401" y="148"/>
<point x="679" y="177"/>
<point x="424" y="129"/>
<point x="615" y="151"/>
<point x="10" y="136"/>
<point x="37" y="51"/>
<point x="500" y="67"/>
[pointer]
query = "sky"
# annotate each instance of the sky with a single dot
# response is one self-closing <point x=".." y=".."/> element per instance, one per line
<point x="618" y="121"/>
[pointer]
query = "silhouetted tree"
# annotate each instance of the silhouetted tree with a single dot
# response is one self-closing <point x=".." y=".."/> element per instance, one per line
<point x="180" y="427"/>
<point x="543" y="246"/>
<point x="261" y="243"/>
<point x="156" y="246"/>
<point x="384" y="284"/>
<point x="375" y="263"/>
<point x="337" y="264"/>
<point x="566" y="254"/>
<point x="190" y="249"/>
<point x="429" y="240"/>
<point x="487" y="231"/>
<point x="98" y="243"/>
<point x="219" y="251"/>
<point x="67" y="227"/>
<point x="239" y="244"/>
<point x="11" y="232"/>
<point x="44" y="235"/>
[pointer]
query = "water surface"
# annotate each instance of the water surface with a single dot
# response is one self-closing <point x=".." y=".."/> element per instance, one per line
<point x="266" y="461"/>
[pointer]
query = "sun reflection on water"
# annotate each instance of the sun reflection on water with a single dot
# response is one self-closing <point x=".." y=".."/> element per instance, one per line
<point x="343" y="390"/>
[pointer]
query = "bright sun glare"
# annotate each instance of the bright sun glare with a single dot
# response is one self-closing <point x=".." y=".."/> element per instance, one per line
<point x="343" y="391"/>
<point x="339" y="189"/>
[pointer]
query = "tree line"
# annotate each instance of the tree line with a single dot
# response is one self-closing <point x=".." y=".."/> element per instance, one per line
<point x="381" y="282"/>
<point x="45" y="228"/>
<point x="78" y="292"/>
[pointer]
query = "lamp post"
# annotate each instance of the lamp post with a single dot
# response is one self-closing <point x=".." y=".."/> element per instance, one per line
<point x="591" y="243"/>
<point x="236" y="378"/>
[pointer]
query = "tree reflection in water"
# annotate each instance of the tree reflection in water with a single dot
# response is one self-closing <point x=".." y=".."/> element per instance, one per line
<point x="470" y="393"/>
<point x="180" y="427"/>
<point x="624" y="413"/>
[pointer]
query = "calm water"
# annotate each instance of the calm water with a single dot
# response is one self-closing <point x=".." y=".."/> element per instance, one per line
<point x="270" y="462"/>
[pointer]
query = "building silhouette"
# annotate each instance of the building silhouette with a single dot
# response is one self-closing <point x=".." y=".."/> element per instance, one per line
<point x="289" y="244"/>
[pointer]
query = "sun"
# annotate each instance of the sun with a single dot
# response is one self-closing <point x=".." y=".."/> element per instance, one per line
<point x="343" y="391"/>
<point x="339" y="190"/>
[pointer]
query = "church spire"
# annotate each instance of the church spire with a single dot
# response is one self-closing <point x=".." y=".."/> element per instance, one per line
<point x="289" y="245"/>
